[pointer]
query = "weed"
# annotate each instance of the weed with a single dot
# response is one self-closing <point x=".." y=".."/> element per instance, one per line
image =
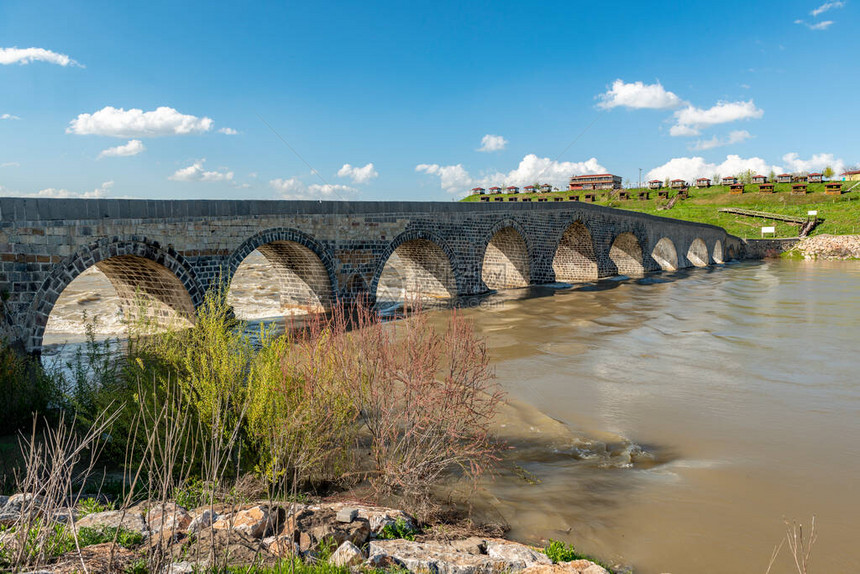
<point x="400" y="529"/>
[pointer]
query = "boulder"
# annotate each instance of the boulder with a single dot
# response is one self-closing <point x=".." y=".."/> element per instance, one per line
<point x="3" y="500"/>
<point x="347" y="554"/>
<point x="281" y="546"/>
<point x="168" y="517"/>
<point x="377" y="517"/>
<point x="314" y="528"/>
<point x="20" y="502"/>
<point x="517" y="556"/>
<point x="183" y="567"/>
<point x="574" y="567"/>
<point x="431" y="557"/>
<point x="211" y="546"/>
<point x="346" y="515"/>
<point x="103" y="557"/>
<point x="202" y="519"/>
<point x="131" y="519"/>
<point x="255" y="521"/>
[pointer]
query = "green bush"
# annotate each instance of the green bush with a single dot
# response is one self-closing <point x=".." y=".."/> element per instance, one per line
<point x="25" y="388"/>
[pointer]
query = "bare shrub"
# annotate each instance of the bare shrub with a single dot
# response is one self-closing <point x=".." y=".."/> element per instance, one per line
<point x="799" y="545"/>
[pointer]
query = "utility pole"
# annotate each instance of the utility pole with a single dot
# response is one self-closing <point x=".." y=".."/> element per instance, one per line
<point x="640" y="178"/>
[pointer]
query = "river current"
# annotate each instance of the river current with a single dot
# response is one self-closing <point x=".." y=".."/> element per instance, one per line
<point x="671" y="423"/>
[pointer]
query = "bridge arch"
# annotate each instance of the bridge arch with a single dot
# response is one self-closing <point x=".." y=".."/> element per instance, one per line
<point x="421" y="263"/>
<point x="665" y="254"/>
<point x="575" y="258"/>
<point x="304" y="267"/>
<point x="145" y="275"/>
<point x="717" y="253"/>
<point x="697" y="254"/>
<point x="507" y="256"/>
<point x="626" y="255"/>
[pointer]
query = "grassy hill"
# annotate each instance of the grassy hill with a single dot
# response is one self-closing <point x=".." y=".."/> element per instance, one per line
<point x="840" y="214"/>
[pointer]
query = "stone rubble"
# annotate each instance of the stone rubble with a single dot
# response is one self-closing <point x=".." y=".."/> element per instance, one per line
<point x="264" y="533"/>
<point x="830" y="247"/>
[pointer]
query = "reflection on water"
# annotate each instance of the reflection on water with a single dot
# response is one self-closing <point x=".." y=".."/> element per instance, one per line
<point x="672" y="422"/>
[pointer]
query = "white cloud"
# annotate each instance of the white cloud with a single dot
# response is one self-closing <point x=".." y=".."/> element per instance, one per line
<point x="9" y="117"/>
<point x="53" y="192"/>
<point x="638" y="96"/>
<point x="531" y="169"/>
<point x="10" y="164"/>
<point x="816" y="163"/>
<point x="117" y="122"/>
<point x="492" y="143"/>
<point x="453" y="178"/>
<point x="689" y="168"/>
<point x="26" y="55"/>
<point x="133" y="147"/>
<point x="294" y="188"/>
<point x="734" y="137"/>
<point x="358" y="174"/>
<point x="227" y="131"/>
<point x="690" y="120"/>
<point x="823" y="25"/>
<point x="195" y="172"/>
<point x="827" y="6"/>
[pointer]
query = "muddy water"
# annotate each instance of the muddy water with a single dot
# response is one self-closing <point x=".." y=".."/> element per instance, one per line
<point x="670" y="423"/>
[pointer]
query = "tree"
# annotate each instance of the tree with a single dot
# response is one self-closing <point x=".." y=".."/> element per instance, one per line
<point x="828" y="172"/>
<point x="771" y="176"/>
<point x="666" y="183"/>
<point x="716" y="179"/>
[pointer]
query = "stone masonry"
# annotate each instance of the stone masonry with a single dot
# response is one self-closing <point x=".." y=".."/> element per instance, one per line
<point x="169" y="253"/>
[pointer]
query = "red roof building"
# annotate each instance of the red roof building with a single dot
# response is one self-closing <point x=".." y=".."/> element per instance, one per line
<point x="597" y="181"/>
<point x="655" y="184"/>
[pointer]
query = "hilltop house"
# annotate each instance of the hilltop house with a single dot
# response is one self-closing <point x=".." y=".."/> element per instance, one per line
<point x="529" y="189"/>
<point x="495" y="189"/>
<point x="599" y="181"/>
<point x="676" y="183"/>
<point x="759" y="179"/>
<point x="703" y="182"/>
<point x="801" y="178"/>
<point x="512" y="189"/>
<point x="815" y="177"/>
<point x="851" y="175"/>
<point x="655" y="184"/>
<point x="730" y="180"/>
<point x="478" y="191"/>
<point x="546" y="188"/>
<point x="783" y="178"/>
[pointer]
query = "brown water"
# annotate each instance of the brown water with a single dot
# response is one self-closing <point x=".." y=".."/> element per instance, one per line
<point x="674" y="422"/>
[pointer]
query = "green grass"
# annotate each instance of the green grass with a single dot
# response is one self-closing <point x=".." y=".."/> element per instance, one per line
<point x="841" y="214"/>
<point x="560" y="552"/>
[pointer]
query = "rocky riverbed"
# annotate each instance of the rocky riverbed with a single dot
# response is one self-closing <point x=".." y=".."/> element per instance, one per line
<point x="352" y="536"/>
<point x="836" y="247"/>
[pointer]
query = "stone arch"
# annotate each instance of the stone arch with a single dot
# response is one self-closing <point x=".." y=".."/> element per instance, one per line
<point x="626" y="255"/>
<point x="422" y="263"/>
<point x="146" y="276"/>
<point x="506" y="262"/>
<point x="731" y="252"/>
<point x="574" y="258"/>
<point x="697" y="254"/>
<point x="665" y="254"/>
<point x="717" y="253"/>
<point x="303" y="266"/>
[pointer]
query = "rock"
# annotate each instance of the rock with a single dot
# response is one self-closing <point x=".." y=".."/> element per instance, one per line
<point x="377" y="517"/>
<point x="168" y="517"/>
<point x="255" y="521"/>
<point x="183" y="567"/>
<point x="95" y="558"/>
<point x="204" y="519"/>
<point x="18" y="503"/>
<point x="347" y="554"/>
<point x="221" y="546"/>
<point x="9" y="518"/>
<point x="281" y="546"/>
<point x="314" y="528"/>
<point x="517" y="556"/>
<point x="431" y="557"/>
<point x="131" y="519"/>
<point x="574" y="567"/>
<point x="346" y="515"/>
<point x="3" y="500"/>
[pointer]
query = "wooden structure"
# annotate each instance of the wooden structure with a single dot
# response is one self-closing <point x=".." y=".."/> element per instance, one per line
<point x="798" y="188"/>
<point x="594" y="182"/>
<point x="815" y="177"/>
<point x="542" y="199"/>
<point x="759" y="179"/>
<point x="784" y="178"/>
<point x="498" y="199"/>
<point x="495" y="189"/>
<point x="663" y="194"/>
<point x="623" y="195"/>
<point x="529" y="189"/>
<point x="736" y="188"/>
<point x="677" y="183"/>
<point x="527" y="199"/>
<point x="655" y="184"/>
<point x="514" y="199"/>
<point x="545" y="188"/>
<point x="485" y="198"/>
<point x="573" y="197"/>
<point x="801" y="179"/>
<point x="833" y="188"/>
<point x="644" y="195"/>
<point x="589" y="197"/>
<point x="730" y="180"/>
<point x="478" y="191"/>
<point x="558" y="199"/>
<point x="512" y="189"/>
<point x="765" y="188"/>
<point x="703" y="182"/>
<point x="684" y="193"/>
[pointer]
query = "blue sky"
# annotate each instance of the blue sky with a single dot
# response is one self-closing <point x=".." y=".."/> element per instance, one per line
<point x="415" y="100"/>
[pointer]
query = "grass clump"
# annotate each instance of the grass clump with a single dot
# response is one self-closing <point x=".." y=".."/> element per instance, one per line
<point x="398" y="530"/>
<point x="560" y="552"/>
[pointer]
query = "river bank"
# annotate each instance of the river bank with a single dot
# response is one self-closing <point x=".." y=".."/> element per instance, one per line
<point x="828" y="247"/>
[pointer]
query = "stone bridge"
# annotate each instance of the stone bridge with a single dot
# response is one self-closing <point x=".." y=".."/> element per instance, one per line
<point x="170" y="253"/>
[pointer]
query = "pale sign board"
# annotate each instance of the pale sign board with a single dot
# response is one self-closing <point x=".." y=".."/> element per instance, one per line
<point x="812" y="213"/>
<point x="768" y="230"/>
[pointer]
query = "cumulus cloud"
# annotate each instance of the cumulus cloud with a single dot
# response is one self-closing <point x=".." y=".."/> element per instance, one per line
<point x="8" y="117"/>
<point x="825" y="7"/>
<point x="294" y="188"/>
<point x="358" y="174"/>
<point x="491" y="142"/>
<point x="531" y="169"/>
<point x="27" y="55"/>
<point x="734" y="137"/>
<point x="133" y="147"/>
<point x="816" y="163"/>
<point x="823" y="25"/>
<point x="121" y="123"/>
<point x="52" y="192"/>
<point x="453" y="178"/>
<point x="638" y="96"/>
<point x="690" y="120"/>
<point x="689" y="168"/>
<point x="195" y="172"/>
<point x="227" y="131"/>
